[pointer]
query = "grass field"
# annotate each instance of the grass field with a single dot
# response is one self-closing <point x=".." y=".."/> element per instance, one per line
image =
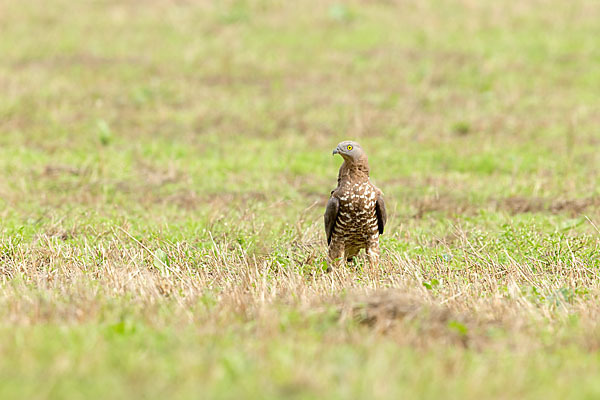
<point x="164" y="167"/>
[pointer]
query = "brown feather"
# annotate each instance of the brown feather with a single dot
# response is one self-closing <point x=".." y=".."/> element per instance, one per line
<point x="331" y="212"/>
<point x="381" y="213"/>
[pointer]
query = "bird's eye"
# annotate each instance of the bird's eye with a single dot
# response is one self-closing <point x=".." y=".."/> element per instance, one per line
<point x="349" y="147"/>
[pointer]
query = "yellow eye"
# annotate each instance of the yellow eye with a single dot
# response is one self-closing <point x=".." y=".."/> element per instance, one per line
<point x="349" y="147"/>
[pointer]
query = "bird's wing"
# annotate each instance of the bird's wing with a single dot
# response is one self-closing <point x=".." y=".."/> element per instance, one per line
<point x="331" y="212"/>
<point x="381" y="213"/>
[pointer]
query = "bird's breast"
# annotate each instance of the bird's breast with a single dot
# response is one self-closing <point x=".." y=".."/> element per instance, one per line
<point x="357" y="210"/>
<point x="359" y="196"/>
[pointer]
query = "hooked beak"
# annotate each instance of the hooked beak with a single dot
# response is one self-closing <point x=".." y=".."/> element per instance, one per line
<point x="335" y="151"/>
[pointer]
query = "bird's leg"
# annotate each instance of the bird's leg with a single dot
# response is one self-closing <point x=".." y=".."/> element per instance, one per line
<point x="373" y="254"/>
<point x="336" y="254"/>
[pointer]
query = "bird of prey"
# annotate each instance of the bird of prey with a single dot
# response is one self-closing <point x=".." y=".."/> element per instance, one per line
<point x="355" y="215"/>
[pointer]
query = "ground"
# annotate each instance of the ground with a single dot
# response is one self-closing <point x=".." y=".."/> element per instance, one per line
<point x="164" y="167"/>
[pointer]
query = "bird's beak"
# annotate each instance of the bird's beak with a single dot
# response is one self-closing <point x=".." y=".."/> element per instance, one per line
<point x="335" y="151"/>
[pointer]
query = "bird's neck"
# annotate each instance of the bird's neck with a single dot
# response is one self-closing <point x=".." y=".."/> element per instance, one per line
<point x="354" y="172"/>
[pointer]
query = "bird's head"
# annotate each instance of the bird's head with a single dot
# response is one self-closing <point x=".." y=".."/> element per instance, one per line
<point x="350" y="151"/>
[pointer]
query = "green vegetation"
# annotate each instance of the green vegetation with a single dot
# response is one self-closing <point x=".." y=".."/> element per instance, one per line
<point x="164" y="168"/>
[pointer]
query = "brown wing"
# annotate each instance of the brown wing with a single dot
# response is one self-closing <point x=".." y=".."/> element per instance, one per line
<point x="381" y="213"/>
<point x="331" y="212"/>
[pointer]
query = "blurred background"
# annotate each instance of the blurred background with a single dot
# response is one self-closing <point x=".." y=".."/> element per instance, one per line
<point x="165" y="164"/>
<point x="196" y="113"/>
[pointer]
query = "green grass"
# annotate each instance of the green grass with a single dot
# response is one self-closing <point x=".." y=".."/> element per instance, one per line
<point x="164" y="168"/>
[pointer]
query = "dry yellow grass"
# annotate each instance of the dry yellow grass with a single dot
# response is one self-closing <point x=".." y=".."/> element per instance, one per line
<point x="51" y="281"/>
